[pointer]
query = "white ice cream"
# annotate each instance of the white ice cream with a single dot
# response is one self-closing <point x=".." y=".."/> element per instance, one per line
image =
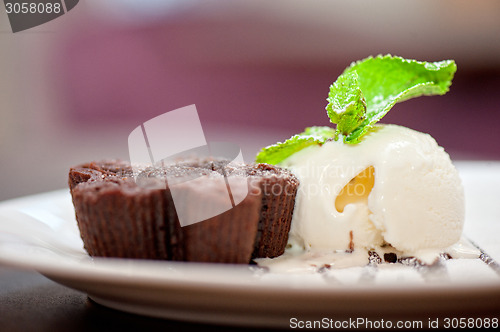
<point x="397" y="186"/>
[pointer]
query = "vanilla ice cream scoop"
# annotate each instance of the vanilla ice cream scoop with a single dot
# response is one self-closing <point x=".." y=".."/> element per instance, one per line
<point x="396" y="186"/>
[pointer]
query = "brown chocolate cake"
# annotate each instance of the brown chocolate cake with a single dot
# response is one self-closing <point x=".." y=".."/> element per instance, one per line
<point x="119" y="216"/>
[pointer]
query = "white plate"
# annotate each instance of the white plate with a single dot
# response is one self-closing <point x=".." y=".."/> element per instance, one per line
<point x="39" y="233"/>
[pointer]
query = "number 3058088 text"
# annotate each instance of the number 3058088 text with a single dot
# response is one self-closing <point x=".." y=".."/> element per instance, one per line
<point x="33" y="8"/>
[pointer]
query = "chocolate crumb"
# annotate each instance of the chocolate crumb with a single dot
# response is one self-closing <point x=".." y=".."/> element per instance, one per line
<point x="351" y="242"/>
<point x="390" y="257"/>
<point x="446" y="256"/>
<point x="374" y="258"/>
<point x="410" y="261"/>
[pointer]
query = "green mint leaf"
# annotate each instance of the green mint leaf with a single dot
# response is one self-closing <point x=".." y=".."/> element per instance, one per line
<point x="276" y="153"/>
<point x="346" y="106"/>
<point x="369" y="88"/>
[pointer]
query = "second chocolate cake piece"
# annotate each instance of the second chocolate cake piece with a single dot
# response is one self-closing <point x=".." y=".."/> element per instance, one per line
<point x="119" y="217"/>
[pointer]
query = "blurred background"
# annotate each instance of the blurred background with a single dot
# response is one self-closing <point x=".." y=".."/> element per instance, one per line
<point x="72" y="90"/>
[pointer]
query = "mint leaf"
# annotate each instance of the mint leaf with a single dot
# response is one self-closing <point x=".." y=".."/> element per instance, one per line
<point x="276" y="153"/>
<point x="369" y="88"/>
<point x="347" y="107"/>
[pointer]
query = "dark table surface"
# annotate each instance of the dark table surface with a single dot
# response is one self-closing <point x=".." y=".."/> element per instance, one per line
<point x="31" y="302"/>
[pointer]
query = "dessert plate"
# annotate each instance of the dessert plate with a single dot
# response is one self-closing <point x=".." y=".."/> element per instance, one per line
<point x="39" y="233"/>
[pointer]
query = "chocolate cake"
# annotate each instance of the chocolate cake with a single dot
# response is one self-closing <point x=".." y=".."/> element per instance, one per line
<point x="120" y="215"/>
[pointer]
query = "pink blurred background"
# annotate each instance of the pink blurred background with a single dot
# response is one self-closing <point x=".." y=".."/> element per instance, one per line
<point x="72" y="90"/>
